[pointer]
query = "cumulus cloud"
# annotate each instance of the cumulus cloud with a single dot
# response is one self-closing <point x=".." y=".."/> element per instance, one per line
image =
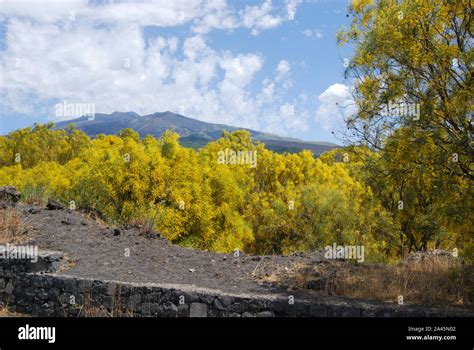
<point x="98" y="54"/>
<point x="283" y="68"/>
<point x="283" y="75"/>
<point x="291" y="7"/>
<point x="335" y="104"/>
<point x="259" y="18"/>
<point x="202" y="15"/>
<point x="162" y="13"/>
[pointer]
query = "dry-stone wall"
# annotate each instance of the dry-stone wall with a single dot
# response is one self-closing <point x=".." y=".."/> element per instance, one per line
<point x="37" y="288"/>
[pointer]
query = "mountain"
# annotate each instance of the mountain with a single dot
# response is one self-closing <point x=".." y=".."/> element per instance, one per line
<point x="194" y="133"/>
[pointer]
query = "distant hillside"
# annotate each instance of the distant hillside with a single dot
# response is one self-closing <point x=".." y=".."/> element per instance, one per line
<point x="194" y="133"/>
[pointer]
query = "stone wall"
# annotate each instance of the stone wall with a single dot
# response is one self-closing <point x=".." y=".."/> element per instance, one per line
<point x="38" y="289"/>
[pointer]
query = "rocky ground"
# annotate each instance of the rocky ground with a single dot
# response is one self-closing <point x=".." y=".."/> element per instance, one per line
<point x="127" y="254"/>
<point x="134" y="254"/>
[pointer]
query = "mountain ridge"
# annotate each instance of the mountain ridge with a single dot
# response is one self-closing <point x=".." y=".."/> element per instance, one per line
<point x="194" y="133"/>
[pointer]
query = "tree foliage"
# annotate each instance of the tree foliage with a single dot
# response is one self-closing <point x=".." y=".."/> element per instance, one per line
<point x="286" y="203"/>
<point x="412" y="74"/>
<point x="414" y="54"/>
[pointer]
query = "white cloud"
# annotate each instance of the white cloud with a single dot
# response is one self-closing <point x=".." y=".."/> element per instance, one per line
<point x="283" y="74"/>
<point x="219" y="17"/>
<point x="283" y="68"/>
<point x="101" y="57"/>
<point x="203" y="15"/>
<point x="162" y="13"/>
<point x="291" y="7"/>
<point x="259" y="18"/>
<point x="335" y="104"/>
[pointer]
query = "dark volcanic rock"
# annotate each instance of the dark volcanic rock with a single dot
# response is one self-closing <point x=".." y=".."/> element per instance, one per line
<point x="9" y="196"/>
<point x="34" y="210"/>
<point x="54" y="204"/>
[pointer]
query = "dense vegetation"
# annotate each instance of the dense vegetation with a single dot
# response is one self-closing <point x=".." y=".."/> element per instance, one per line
<point x="287" y="203"/>
<point x="416" y="56"/>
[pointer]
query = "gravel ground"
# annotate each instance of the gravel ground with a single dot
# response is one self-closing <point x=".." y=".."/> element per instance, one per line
<point x="96" y="251"/>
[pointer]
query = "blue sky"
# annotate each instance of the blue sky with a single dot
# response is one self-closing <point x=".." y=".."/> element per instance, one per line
<point x="268" y="65"/>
